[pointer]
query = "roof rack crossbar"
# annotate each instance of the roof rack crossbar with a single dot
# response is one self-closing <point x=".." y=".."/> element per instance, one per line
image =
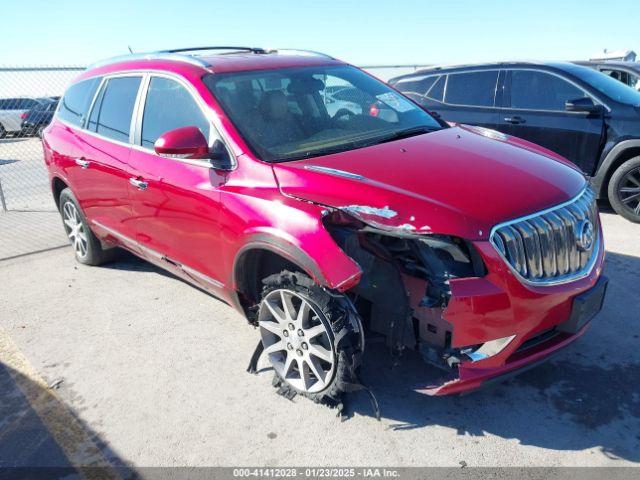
<point x="197" y="49"/>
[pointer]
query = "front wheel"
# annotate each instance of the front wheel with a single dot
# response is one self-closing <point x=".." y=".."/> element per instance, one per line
<point x="86" y="246"/>
<point x="313" y="338"/>
<point x="624" y="190"/>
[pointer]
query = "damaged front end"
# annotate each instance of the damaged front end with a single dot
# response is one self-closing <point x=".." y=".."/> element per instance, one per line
<point x="456" y="301"/>
<point x="405" y="287"/>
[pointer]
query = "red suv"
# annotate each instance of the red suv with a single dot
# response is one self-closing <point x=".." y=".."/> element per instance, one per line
<point x="327" y="207"/>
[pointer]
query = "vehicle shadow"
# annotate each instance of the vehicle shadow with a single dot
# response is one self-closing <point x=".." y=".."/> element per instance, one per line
<point x="586" y="397"/>
<point x="42" y="437"/>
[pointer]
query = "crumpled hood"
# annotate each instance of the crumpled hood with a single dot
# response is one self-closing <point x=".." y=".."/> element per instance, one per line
<point x="456" y="181"/>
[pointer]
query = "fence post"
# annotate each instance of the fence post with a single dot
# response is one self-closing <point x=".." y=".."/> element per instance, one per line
<point x="2" y="201"/>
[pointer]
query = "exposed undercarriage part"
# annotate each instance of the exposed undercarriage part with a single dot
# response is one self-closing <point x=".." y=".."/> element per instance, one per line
<point x="404" y="289"/>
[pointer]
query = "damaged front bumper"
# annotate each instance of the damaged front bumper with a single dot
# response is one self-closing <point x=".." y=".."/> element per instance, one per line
<point x="512" y="326"/>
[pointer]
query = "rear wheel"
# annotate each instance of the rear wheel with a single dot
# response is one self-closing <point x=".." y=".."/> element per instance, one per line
<point x="86" y="246"/>
<point x="312" y="337"/>
<point x="624" y="190"/>
<point x="3" y="132"/>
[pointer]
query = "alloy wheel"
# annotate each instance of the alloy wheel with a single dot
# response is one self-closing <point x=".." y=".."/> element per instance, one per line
<point x="629" y="191"/>
<point x="296" y="338"/>
<point x="75" y="229"/>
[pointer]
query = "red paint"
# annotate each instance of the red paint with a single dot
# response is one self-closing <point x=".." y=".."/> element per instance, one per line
<point x="456" y="181"/>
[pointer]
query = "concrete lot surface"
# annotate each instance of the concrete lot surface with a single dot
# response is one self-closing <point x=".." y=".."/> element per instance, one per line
<point x="126" y="364"/>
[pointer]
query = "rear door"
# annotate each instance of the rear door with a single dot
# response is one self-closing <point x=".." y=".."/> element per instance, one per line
<point x="466" y="97"/>
<point x="176" y="203"/>
<point x="534" y="109"/>
<point x="101" y="177"/>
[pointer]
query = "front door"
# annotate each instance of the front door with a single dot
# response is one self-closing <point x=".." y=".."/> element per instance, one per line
<point x="176" y="203"/>
<point x="534" y="109"/>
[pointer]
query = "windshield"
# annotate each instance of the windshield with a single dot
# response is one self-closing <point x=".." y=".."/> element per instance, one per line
<point x="612" y="88"/>
<point x="296" y="113"/>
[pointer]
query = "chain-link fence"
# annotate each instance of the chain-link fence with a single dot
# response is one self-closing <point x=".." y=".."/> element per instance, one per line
<point x="29" y="221"/>
<point x="28" y="218"/>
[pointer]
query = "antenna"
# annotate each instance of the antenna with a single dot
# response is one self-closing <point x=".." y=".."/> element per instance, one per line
<point x="130" y="49"/>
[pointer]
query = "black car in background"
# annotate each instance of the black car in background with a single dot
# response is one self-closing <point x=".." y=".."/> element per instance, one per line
<point x="589" y="118"/>
<point x="626" y="72"/>
<point x="36" y="119"/>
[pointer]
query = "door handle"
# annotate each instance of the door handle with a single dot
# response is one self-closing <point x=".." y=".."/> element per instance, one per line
<point x="82" y="163"/>
<point x="515" y="120"/>
<point x="140" y="184"/>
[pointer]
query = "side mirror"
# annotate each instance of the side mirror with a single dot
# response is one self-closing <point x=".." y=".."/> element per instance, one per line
<point x="584" y="104"/>
<point x="184" y="142"/>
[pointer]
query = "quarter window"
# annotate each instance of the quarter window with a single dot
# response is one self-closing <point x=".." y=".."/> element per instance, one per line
<point x="169" y="106"/>
<point x="541" y="91"/>
<point x="76" y="100"/>
<point x="111" y="115"/>
<point x="420" y="85"/>
<point x="472" y="88"/>
<point x="436" y="92"/>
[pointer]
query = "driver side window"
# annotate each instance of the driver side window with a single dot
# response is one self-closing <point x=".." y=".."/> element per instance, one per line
<point x="534" y="90"/>
<point x="169" y="106"/>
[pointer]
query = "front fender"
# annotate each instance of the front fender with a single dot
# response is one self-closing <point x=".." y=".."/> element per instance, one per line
<point x="294" y="230"/>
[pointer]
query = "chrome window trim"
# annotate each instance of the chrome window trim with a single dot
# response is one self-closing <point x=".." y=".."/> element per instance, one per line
<point x="209" y="114"/>
<point x="585" y="272"/>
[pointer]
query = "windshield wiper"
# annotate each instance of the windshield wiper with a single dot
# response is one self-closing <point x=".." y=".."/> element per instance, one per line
<point x="408" y="132"/>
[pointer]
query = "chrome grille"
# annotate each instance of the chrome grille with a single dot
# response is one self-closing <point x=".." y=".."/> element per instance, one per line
<point x="552" y="246"/>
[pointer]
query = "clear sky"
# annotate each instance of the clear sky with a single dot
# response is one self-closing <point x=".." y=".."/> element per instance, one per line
<point x="37" y="32"/>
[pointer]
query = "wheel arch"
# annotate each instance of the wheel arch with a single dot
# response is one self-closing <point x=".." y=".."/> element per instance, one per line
<point x="265" y="255"/>
<point x="57" y="186"/>
<point x="619" y="154"/>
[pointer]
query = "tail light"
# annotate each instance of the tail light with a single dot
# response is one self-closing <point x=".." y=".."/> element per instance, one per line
<point x="24" y="115"/>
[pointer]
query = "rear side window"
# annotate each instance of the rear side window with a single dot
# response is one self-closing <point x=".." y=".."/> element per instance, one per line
<point x="436" y="92"/>
<point x="472" y="88"/>
<point x="169" y="106"/>
<point x="416" y="84"/>
<point x="27" y="104"/>
<point x="76" y="100"/>
<point x="541" y="91"/>
<point x="111" y="115"/>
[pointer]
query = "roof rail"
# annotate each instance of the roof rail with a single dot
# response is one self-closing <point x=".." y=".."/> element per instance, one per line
<point x="151" y="56"/>
<point x="297" y="51"/>
<point x="182" y="55"/>
<point x="198" y="49"/>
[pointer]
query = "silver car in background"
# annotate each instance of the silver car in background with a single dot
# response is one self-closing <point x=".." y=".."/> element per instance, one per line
<point x="12" y="111"/>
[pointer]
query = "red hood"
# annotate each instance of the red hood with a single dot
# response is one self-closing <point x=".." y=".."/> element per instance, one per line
<point x="454" y="181"/>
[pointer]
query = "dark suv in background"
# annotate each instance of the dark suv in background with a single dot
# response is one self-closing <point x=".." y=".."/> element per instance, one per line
<point x="576" y="111"/>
